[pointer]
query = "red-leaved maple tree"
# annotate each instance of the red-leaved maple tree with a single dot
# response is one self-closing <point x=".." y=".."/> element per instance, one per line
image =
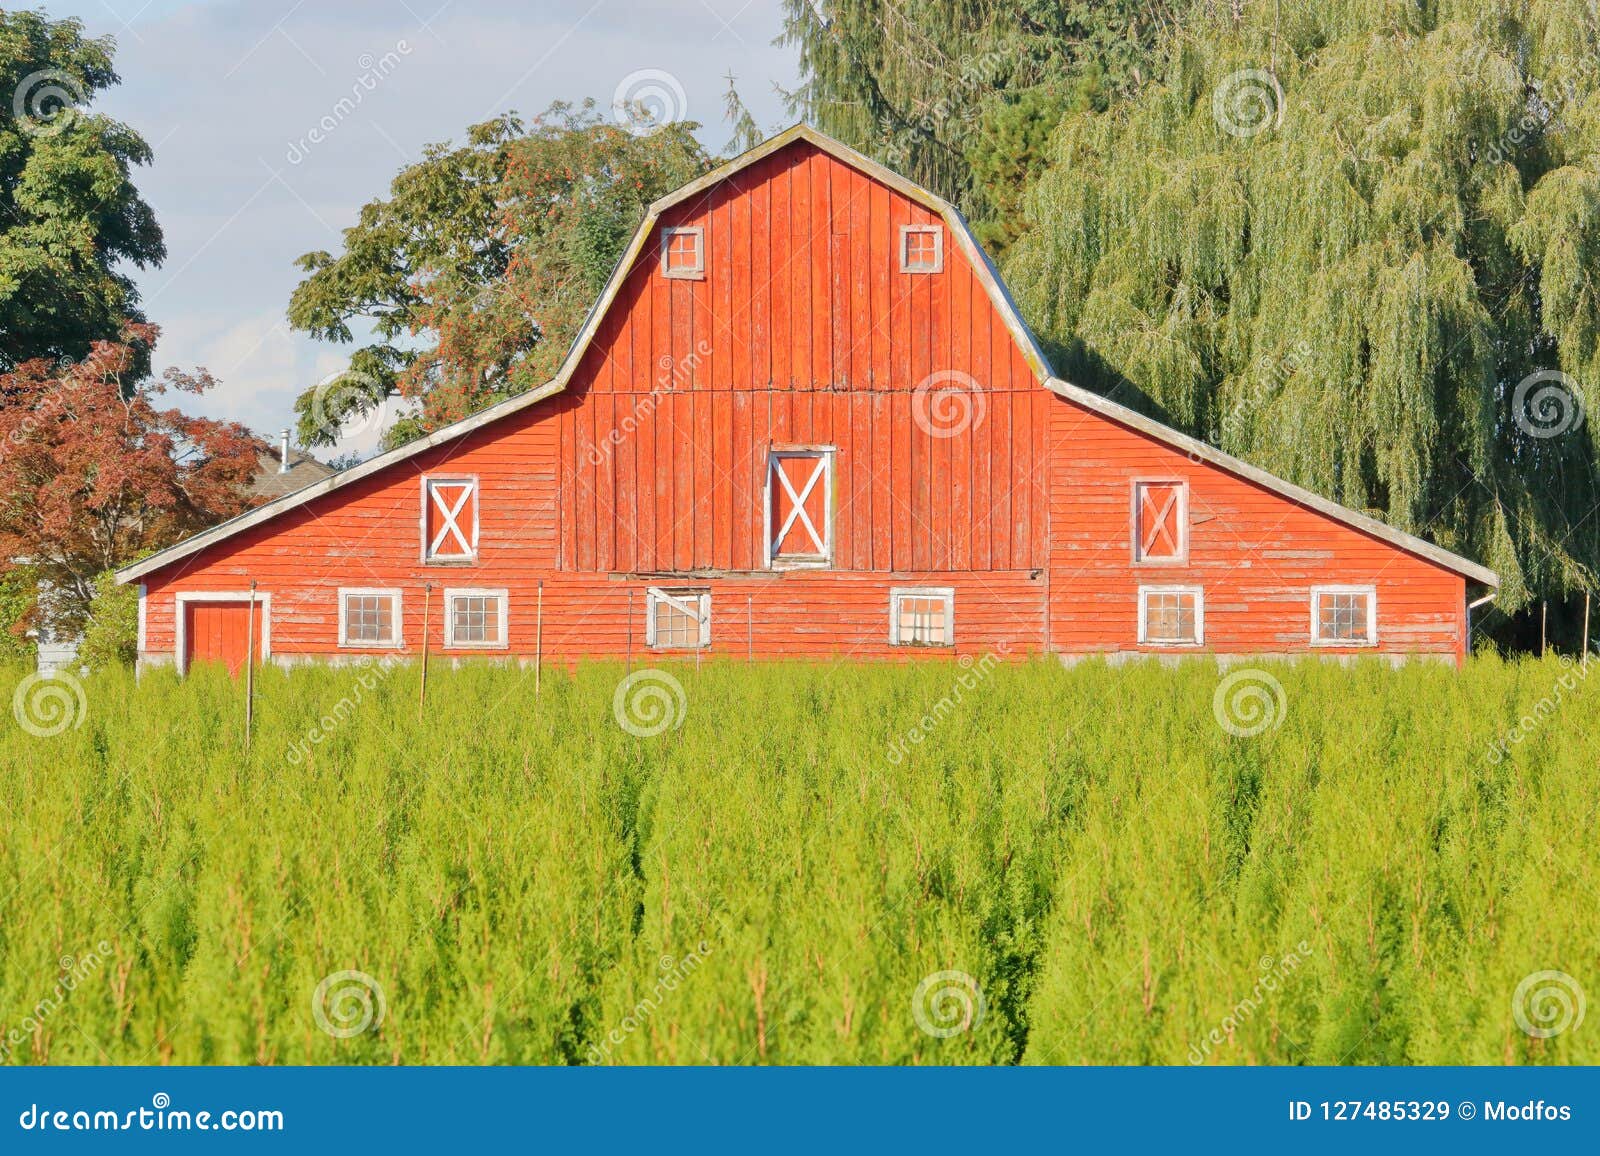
<point x="94" y="473"/>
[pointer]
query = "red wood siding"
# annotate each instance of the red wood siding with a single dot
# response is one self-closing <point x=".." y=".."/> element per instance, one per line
<point x="1255" y="555"/>
<point x="692" y="381"/>
<point x="651" y="468"/>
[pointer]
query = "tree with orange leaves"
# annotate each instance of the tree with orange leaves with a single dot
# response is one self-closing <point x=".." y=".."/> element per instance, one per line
<point x="94" y="473"/>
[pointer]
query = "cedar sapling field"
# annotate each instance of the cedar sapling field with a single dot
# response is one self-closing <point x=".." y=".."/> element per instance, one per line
<point x="974" y="863"/>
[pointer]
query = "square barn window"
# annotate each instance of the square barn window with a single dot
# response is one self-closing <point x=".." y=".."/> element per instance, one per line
<point x="1344" y="616"/>
<point x="449" y="519"/>
<point x="1160" y="522"/>
<point x="1171" y="615"/>
<point x="475" y="618"/>
<point x="800" y="508"/>
<point x="683" y="253"/>
<point x="677" y="619"/>
<point x="921" y="249"/>
<point x="922" y="616"/>
<point x="369" y="618"/>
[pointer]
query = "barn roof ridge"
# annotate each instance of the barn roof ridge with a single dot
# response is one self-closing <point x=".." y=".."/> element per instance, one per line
<point x="982" y="267"/>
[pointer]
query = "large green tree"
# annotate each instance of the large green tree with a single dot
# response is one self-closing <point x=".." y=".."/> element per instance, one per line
<point x="961" y="97"/>
<point x="477" y="270"/>
<point x="1354" y="242"/>
<point x="71" y="220"/>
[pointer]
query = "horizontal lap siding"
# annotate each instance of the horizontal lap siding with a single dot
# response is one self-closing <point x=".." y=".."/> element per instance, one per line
<point x="368" y="535"/>
<point x="1255" y="554"/>
<point x="796" y="615"/>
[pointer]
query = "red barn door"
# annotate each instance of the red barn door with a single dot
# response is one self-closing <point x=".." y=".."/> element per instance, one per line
<point x="221" y="632"/>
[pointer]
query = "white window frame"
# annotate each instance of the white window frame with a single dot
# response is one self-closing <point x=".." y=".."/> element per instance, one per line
<point x="906" y="232"/>
<point x="947" y="593"/>
<point x="452" y="593"/>
<point x="180" y="631"/>
<point x="827" y="455"/>
<point x="1199" y="616"/>
<point x="391" y="593"/>
<point x="697" y="272"/>
<point x="1371" y="593"/>
<point x="429" y="482"/>
<point x="1136" y="539"/>
<point x="678" y="596"/>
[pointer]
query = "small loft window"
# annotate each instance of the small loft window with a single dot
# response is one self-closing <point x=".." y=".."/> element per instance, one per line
<point x="1344" y="616"/>
<point x="683" y="253"/>
<point x="921" y="249"/>
<point x="922" y="616"/>
<point x="677" y="619"/>
<point x="475" y="619"/>
<point x="1171" y="615"/>
<point x="369" y="618"/>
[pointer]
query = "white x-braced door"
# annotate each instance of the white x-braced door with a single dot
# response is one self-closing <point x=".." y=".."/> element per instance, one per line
<point x="800" y="508"/>
<point x="449" y="519"/>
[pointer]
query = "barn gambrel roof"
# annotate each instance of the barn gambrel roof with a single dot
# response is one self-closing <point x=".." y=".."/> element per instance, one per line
<point x="987" y="276"/>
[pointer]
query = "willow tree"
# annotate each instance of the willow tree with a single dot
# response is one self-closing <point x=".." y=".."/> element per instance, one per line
<point x="1354" y="242"/>
<point x="961" y="96"/>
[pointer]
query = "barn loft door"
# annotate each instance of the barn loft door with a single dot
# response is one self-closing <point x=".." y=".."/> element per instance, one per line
<point x="1159" y="516"/>
<point x="221" y="632"/>
<point x="800" y="507"/>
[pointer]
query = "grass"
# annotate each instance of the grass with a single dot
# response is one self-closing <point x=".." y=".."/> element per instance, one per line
<point x="809" y="864"/>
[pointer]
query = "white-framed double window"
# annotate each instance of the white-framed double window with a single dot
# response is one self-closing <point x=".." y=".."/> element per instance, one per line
<point x="922" y="616"/>
<point x="449" y="519"/>
<point x="1344" y="616"/>
<point x="799" y="507"/>
<point x="677" y="618"/>
<point x="370" y="618"/>
<point x="476" y="619"/>
<point x="1172" y="616"/>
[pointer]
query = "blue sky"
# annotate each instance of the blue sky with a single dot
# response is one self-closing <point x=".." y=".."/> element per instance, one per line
<point x="227" y="93"/>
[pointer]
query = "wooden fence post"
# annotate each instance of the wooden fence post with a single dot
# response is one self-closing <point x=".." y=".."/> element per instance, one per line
<point x="1544" y="615"/>
<point x="422" y="686"/>
<point x="538" y="640"/>
<point x="629" y="632"/>
<point x="1586" y="626"/>
<point x="250" y="667"/>
<point x="749" y="629"/>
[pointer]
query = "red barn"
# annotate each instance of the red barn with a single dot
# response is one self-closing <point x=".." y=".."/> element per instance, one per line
<point x="804" y="419"/>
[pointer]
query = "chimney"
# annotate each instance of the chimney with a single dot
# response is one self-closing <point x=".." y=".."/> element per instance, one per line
<point x="283" y="454"/>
